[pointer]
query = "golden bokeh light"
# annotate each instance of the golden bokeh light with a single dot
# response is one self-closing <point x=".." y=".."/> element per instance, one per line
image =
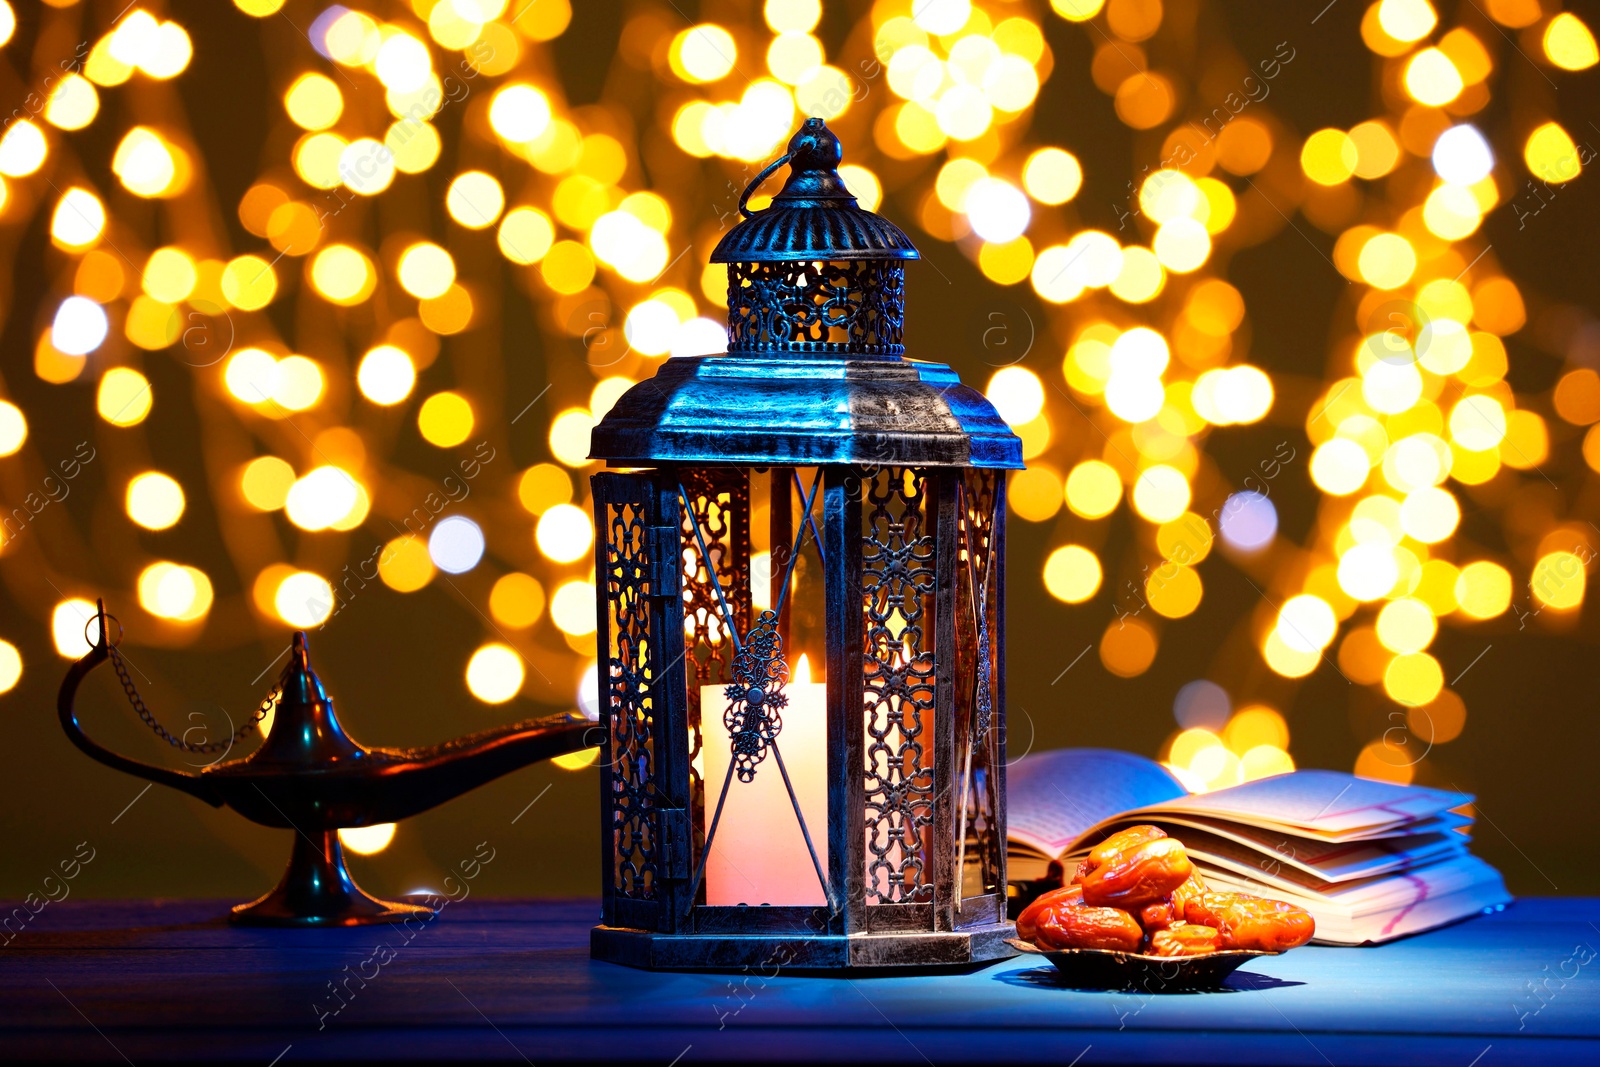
<point x="343" y="275"/>
<point x="564" y="533"/>
<point x="23" y="149"/>
<point x="475" y="199"/>
<point x="569" y="436"/>
<point x="175" y="591"/>
<point x="124" y="397"/>
<point x="1160" y="493"/>
<point x="495" y="673"/>
<point x="703" y="53"/>
<point x="1483" y="589"/>
<point x="404" y="564"/>
<point x="1558" y="581"/>
<point x="79" y="220"/>
<point x="1549" y="152"/>
<point x="10" y="666"/>
<point x="572" y="609"/>
<point x="1093" y="489"/>
<point x="1072" y="574"/>
<point x="154" y="500"/>
<point x="314" y="102"/>
<point x="367" y="840"/>
<point x="446" y="419"/>
<point x="303" y="599"/>
<point x="386" y="375"/>
<point x="1128" y="647"/>
<point x="265" y="482"/>
<point x="517" y="600"/>
<point x="543" y="486"/>
<point x="1569" y="44"/>
<point x="425" y="270"/>
<point x="13" y="428"/>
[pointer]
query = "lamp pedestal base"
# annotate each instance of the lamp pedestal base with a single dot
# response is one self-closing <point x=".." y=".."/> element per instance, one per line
<point x="317" y="890"/>
<point x="771" y="953"/>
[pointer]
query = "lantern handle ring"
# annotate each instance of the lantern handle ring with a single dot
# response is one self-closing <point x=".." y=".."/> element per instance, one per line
<point x="102" y="617"/>
<point x="755" y="183"/>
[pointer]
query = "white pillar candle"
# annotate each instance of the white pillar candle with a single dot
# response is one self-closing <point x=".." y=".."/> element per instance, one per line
<point x="759" y="855"/>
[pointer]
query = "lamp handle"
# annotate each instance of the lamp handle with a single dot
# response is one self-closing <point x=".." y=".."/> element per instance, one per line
<point x="192" y="784"/>
<point x="755" y="183"/>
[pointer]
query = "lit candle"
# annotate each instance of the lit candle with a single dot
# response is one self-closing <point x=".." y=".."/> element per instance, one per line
<point x="759" y="855"/>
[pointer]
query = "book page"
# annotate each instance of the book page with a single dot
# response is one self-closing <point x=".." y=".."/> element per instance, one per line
<point x="1329" y="804"/>
<point x="1053" y="797"/>
<point x="1251" y="849"/>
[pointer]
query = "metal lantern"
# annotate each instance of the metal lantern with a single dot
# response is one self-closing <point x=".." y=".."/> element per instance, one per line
<point x="810" y="495"/>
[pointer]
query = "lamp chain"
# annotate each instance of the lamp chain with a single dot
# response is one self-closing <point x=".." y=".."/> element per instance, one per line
<point x="177" y="742"/>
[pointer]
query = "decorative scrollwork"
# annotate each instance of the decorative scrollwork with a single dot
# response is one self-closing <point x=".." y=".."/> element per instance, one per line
<point x="632" y="705"/>
<point x="756" y="698"/>
<point x="855" y="307"/>
<point x="898" y="582"/>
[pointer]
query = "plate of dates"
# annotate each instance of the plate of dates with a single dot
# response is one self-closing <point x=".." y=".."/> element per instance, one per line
<point x="1137" y="915"/>
<point x="1104" y="968"/>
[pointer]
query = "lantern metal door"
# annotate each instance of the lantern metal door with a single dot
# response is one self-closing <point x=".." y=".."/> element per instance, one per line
<point x="645" y="789"/>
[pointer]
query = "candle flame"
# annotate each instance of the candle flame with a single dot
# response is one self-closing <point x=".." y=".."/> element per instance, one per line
<point x="802" y="670"/>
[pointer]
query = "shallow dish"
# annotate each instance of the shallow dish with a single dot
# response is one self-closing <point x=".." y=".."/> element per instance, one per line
<point x="1102" y="968"/>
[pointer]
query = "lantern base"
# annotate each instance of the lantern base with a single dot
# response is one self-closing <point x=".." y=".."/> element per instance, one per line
<point x="774" y="952"/>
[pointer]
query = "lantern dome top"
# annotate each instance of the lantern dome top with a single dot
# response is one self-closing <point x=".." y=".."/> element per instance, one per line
<point x="815" y="370"/>
<point x="814" y="216"/>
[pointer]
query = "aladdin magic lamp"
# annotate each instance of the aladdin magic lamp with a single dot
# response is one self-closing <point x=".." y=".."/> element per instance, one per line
<point x="810" y="490"/>
<point x="310" y="776"/>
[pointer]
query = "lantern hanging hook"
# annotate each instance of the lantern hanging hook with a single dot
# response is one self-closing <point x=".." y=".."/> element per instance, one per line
<point x="755" y="183"/>
<point x="814" y="154"/>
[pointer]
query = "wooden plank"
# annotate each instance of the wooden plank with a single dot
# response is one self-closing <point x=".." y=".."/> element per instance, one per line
<point x="165" y="980"/>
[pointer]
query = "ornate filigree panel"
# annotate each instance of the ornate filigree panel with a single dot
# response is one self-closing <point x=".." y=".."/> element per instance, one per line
<point x="719" y="500"/>
<point x="977" y="621"/>
<point x="636" y="847"/>
<point x="857" y="306"/>
<point x="898" y="582"/>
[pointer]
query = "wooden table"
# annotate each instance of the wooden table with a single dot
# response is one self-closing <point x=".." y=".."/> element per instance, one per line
<point x="502" y="980"/>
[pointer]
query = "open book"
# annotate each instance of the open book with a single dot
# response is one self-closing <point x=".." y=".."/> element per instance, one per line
<point x="1371" y="861"/>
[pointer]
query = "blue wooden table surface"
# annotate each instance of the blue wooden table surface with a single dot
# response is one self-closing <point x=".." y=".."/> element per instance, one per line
<point x="504" y="980"/>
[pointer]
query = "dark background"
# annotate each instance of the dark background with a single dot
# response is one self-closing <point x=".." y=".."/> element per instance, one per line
<point x="394" y="663"/>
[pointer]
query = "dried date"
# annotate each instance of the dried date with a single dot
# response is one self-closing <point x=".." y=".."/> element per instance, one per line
<point x="1028" y="921"/>
<point x="1251" y="922"/>
<point x="1068" y="925"/>
<point x="1114" y="846"/>
<point x="1140" y="875"/>
<point x="1185" y="939"/>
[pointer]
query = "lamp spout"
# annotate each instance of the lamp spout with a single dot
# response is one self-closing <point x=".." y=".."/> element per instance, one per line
<point x="425" y="777"/>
